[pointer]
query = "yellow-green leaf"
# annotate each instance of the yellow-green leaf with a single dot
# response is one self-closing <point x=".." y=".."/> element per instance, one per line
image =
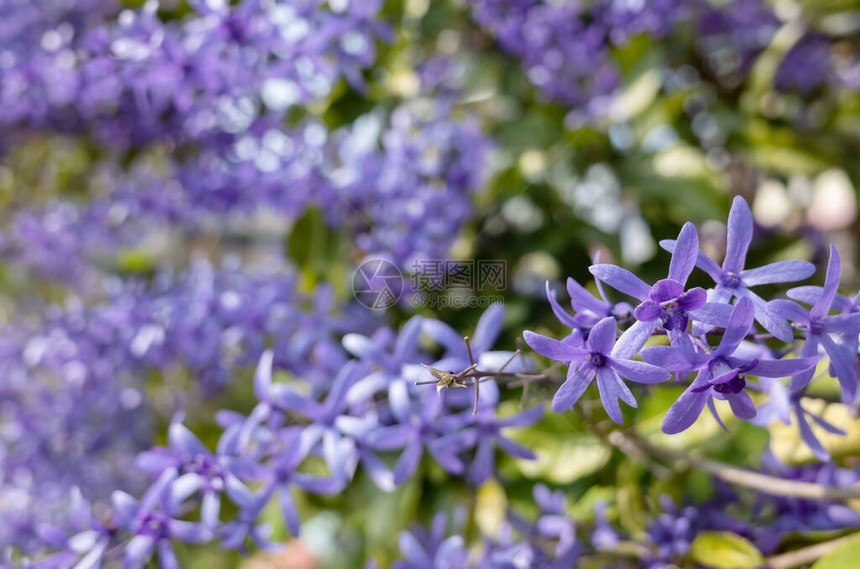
<point x="725" y="550"/>
<point x="491" y="507"/>
<point x="844" y="555"/>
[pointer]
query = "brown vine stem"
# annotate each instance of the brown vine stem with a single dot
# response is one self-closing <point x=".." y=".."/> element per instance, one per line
<point x="763" y="483"/>
<point x="806" y="555"/>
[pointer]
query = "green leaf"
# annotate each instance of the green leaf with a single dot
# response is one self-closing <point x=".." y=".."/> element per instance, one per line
<point x="565" y="450"/>
<point x="307" y="237"/>
<point x="315" y="248"/>
<point x="845" y="555"/>
<point x="134" y="262"/>
<point x="725" y="550"/>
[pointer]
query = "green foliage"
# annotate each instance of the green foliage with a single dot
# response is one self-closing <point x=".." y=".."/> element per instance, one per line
<point x="724" y="550"/>
<point x="845" y="555"/>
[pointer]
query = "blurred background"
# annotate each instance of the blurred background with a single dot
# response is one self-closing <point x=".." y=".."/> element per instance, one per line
<point x="185" y="182"/>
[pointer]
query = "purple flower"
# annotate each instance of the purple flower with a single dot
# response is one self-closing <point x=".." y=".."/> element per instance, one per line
<point x="280" y="473"/>
<point x="386" y="355"/>
<point x="456" y="357"/>
<point x="778" y="408"/>
<point x="733" y="280"/>
<point x="152" y="524"/>
<point x="421" y="425"/>
<point x="673" y="531"/>
<point x="554" y="523"/>
<point x="84" y="546"/>
<point x="484" y="432"/>
<point x="324" y="433"/>
<point x="807" y="66"/>
<point x="819" y="325"/>
<point x="431" y="550"/>
<point x="199" y="470"/>
<point x="600" y="356"/>
<point x="589" y="310"/>
<point x="666" y="303"/>
<point x="720" y="372"/>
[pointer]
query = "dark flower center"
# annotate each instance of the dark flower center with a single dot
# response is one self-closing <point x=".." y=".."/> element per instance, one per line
<point x="674" y="320"/>
<point x="734" y="385"/>
<point x="205" y="466"/>
<point x="731" y="280"/>
<point x="283" y="475"/>
<point x="622" y="312"/>
<point x="154" y="525"/>
<point x="598" y="359"/>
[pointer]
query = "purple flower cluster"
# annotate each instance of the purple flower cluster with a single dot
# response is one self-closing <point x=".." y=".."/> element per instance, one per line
<point x="548" y="541"/>
<point x="554" y="540"/>
<point x="217" y="85"/>
<point x="414" y="195"/>
<point x="131" y="78"/>
<point x="367" y="406"/>
<point x="419" y="184"/>
<point x="77" y="401"/>
<point x="671" y="532"/>
<point x="708" y="336"/>
<point x="565" y="47"/>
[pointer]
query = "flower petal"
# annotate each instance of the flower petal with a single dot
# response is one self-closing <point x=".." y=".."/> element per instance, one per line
<point x="845" y="323"/>
<point x="582" y="300"/>
<point x="671" y="358"/>
<point x="788" y="310"/>
<point x="408" y="338"/>
<point x="621" y="280"/>
<point x="611" y="390"/>
<point x="288" y="510"/>
<point x="741" y="404"/>
<point x="572" y="389"/>
<point x="842" y="362"/>
<point x="666" y="289"/>
<point x="559" y="312"/>
<point x="781" y="368"/>
<point x="738" y="235"/>
<point x="737" y="328"/>
<point x="602" y="336"/>
<point x="779" y="272"/>
<point x="180" y="437"/>
<point x="524" y="418"/>
<point x="648" y="311"/>
<point x="138" y="551"/>
<point x="443" y="334"/>
<point x="412" y="550"/>
<point x="483" y="465"/>
<point x="809" y="437"/>
<point x="640" y="372"/>
<point x="632" y="340"/>
<point x="702" y="261"/>
<point x="685" y="254"/>
<point x="809" y="349"/>
<point x="553" y="349"/>
<point x="408" y="461"/>
<point x="684" y="412"/>
<point x="712" y="314"/>
<point x="263" y="376"/>
<point x="831" y="284"/>
<point x="166" y="556"/>
<point x="693" y="299"/>
<point x="514" y="448"/>
<point x="394" y="437"/>
<point x="488" y="327"/>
